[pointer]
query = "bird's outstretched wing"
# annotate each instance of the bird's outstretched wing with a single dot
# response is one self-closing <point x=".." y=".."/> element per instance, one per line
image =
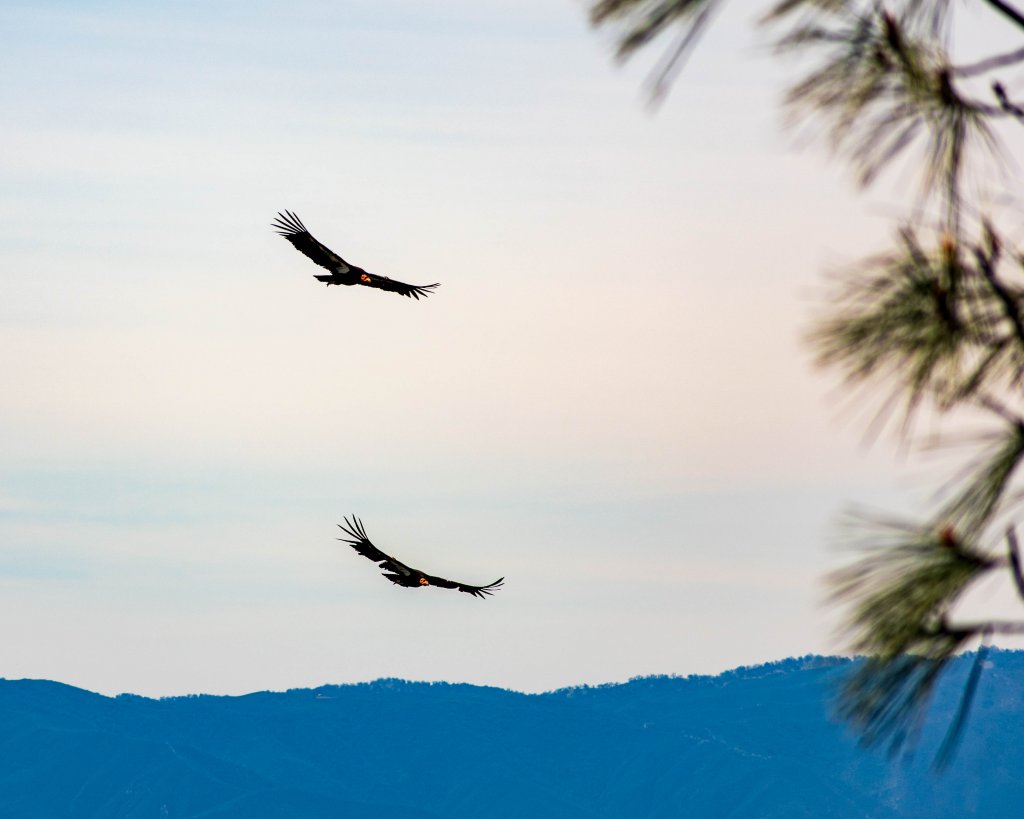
<point x="476" y="591"/>
<point x="358" y="540"/>
<point x="401" y="574"/>
<point x="384" y="283"/>
<point x="290" y="226"/>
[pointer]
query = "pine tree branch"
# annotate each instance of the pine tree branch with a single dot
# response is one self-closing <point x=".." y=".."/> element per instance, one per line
<point x="675" y="59"/>
<point x="990" y="403"/>
<point x="943" y="324"/>
<point x="1008" y="11"/>
<point x="952" y="740"/>
<point x="993" y="626"/>
<point x="1005" y="298"/>
<point x="641" y="21"/>
<point x="974" y="506"/>
<point x="989" y="64"/>
<point x="1015" y="568"/>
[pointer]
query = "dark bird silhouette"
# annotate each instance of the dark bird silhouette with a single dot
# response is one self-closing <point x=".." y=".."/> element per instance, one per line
<point x="397" y="572"/>
<point x="341" y="272"/>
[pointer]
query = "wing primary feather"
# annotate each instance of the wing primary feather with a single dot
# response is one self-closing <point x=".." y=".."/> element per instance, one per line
<point x="359" y="541"/>
<point x="489" y="589"/>
<point x="358" y="525"/>
<point x="354" y="528"/>
<point x="468" y="588"/>
<point x="415" y="291"/>
<point x="288" y="224"/>
<point x="285" y="226"/>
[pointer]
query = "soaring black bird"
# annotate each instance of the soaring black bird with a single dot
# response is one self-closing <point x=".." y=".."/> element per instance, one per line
<point x="341" y="272"/>
<point x="397" y="572"/>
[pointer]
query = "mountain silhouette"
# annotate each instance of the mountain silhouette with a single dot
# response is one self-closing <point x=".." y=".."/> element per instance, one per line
<point x="757" y="741"/>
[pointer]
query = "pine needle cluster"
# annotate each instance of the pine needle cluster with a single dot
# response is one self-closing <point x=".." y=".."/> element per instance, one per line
<point x="935" y="322"/>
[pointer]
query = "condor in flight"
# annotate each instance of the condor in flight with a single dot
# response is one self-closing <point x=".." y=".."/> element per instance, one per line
<point x="341" y="272"/>
<point x="397" y="572"/>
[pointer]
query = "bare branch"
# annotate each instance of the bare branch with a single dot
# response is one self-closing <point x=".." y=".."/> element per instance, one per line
<point x="1005" y="106"/>
<point x="1007" y="10"/>
<point x="1009" y="627"/>
<point x="1015" y="567"/>
<point x="952" y="740"/>
<point x="989" y="64"/>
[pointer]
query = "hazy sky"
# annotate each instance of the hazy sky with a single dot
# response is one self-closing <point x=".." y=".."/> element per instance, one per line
<point x="607" y="401"/>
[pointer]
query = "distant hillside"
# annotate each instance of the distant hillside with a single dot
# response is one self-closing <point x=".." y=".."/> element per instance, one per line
<point x="756" y="741"/>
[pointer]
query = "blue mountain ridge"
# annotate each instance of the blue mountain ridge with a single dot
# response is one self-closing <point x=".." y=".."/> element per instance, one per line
<point x="758" y="741"/>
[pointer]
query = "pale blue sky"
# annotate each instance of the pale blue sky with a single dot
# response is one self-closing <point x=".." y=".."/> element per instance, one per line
<point x="607" y="400"/>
